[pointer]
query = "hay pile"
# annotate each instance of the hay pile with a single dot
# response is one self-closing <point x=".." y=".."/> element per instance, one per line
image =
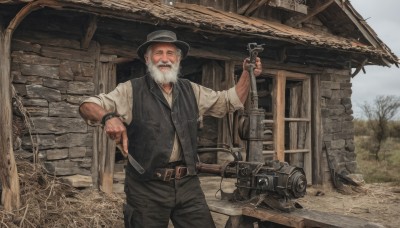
<point x="47" y="202"/>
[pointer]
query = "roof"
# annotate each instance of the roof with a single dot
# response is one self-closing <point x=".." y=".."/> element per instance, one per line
<point x="211" y="20"/>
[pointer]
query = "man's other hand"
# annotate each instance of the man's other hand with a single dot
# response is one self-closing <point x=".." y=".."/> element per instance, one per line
<point x="116" y="130"/>
<point x="258" y="66"/>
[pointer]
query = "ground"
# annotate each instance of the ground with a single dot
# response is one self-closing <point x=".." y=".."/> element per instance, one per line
<point x="377" y="203"/>
<point x="380" y="203"/>
<point x="47" y="202"/>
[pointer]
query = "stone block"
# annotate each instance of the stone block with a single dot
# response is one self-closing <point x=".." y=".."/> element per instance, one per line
<point x="74" y="99"/>
<point x="60" y="85"/>
<point x="37" y="111"/>
<point x="338" y="144"/>
<point x="346" y="93"/>
<point x="67" y="54"/>
<point x="351" y="166"/>
<point x="20" y="45"/>
<point x="38" y="91"/>
<point x="16" y="77"/>
<point x="48" y="125"/>
<point x="63" y="109"/>
<point x="40" y="70"/>
<point x="61" y="168"/>
<point x="84" y="88"/>
<point x="56" y="154"/>
<point x="326" y="93"/>
<point x="78" y="181"/>
<point x="83" y="162"/>
<point x="44" y="142"/>
<point x="20" y="89"/>
<point x="33" y="59"/>
<point x="75" y="140"/>
<point x="35" y="102"/>
<point x="77" y="152"/>
<point x="350" y="145"/>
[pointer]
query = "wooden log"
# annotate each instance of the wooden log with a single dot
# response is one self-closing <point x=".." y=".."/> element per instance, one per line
<point x="10" y="197"/>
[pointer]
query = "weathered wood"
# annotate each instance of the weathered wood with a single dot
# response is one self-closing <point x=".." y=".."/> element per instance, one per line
<point x="106" y="148"/>
<point x="295" y="95"/>
<point x="10" y="197"/>
<point x="89" y="32"/>
<point x="306" y="113"/>
<point x="254" y="6"/>
<point x="285" y="219"/>
<point x="359" y="68"/>
<point x="317" y="130"/>
<point x="315" y="11"/>
<point x="308" y="218"/>
<point x="279" y="115"/>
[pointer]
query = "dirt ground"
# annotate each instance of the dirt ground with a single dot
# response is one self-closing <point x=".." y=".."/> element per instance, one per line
<point x="44" y="196"/>
<point x="378" y="203"/>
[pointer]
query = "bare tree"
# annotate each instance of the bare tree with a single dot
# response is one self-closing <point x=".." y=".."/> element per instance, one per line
<point x="379" y="113"/>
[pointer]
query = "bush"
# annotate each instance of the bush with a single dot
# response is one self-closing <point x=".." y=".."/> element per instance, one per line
<point x="360" y="128"/>
<point x="394" y="129"/>
<point x="373" y="171"/>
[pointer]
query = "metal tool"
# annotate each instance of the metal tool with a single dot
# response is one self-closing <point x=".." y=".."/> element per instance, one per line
<point x="132" y="161"/>
<point x="135" y="164"/>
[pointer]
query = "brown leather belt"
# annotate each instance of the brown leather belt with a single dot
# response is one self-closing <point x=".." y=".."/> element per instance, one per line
<point x="167" y="174"/>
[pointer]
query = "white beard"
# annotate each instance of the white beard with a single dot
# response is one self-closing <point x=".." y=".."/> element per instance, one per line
<point x="170" y="76"/>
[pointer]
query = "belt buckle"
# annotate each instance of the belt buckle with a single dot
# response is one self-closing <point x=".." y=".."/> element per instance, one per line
<point x="168" y="174"/>
<point x="180" y="172"/>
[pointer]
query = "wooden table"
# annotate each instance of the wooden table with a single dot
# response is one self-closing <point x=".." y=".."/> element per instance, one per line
<point x="244" y="215"/>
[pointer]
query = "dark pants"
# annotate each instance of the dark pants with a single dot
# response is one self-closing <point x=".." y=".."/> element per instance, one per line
<point x="153" y="203"/>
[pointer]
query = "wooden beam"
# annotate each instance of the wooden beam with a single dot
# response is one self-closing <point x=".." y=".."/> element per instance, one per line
<point x="253" y="7"/>
<point x="89" y="31"/>
<point x="279" y="115"/>
<point x="243" y="9"/>
<point x="312" y="14"/>
<point x="359" y="68"/>
<point x="367" y="34"/>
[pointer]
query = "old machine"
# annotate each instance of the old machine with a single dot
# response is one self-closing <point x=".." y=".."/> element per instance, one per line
<point x="272" y="183"/>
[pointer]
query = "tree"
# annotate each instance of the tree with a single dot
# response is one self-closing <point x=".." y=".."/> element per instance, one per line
<point x="379" y="113"/>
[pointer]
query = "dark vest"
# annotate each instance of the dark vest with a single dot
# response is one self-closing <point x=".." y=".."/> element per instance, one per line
<point x="152" y="130"/>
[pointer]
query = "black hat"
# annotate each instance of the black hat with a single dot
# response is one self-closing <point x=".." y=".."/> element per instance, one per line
<point x="162" y="36"/>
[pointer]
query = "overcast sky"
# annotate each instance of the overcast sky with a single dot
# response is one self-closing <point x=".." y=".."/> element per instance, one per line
<point x="384" y="18"/>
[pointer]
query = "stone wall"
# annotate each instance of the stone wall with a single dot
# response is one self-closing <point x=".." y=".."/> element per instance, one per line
<point x="52" y="76"/>
<point x="337" y="121"/>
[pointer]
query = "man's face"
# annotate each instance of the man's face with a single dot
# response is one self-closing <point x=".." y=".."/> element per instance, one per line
<point x="162" y="60"/>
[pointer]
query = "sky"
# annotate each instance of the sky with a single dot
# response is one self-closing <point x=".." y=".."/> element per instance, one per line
<point x="384" y="18"/>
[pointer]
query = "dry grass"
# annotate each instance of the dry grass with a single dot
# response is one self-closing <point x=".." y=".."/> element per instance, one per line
<point x="47" y="202"/>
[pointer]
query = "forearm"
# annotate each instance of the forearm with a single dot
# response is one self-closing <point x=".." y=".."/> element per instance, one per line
<point x="243" y="86"/>
<point x="92" y="112"/>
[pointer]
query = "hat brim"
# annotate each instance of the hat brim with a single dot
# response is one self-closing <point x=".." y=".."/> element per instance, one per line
<point x="179" y="44"/>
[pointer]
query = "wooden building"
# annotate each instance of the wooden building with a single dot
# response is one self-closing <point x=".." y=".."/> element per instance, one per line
<point x="55" y="53"/>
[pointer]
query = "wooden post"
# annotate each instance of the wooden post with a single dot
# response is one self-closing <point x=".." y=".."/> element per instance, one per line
<point x="279" y="115"/>
<point x="316" y="131"/>
<point x="10" y="197"/>
<point x="106" y="147"/>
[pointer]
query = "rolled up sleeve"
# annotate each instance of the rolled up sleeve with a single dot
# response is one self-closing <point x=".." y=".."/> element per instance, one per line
<point x="216" y="103"/>
<point x="119" y="100"/>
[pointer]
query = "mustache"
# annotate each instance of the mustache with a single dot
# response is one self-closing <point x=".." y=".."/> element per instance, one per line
<point x="163" y="64"/>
